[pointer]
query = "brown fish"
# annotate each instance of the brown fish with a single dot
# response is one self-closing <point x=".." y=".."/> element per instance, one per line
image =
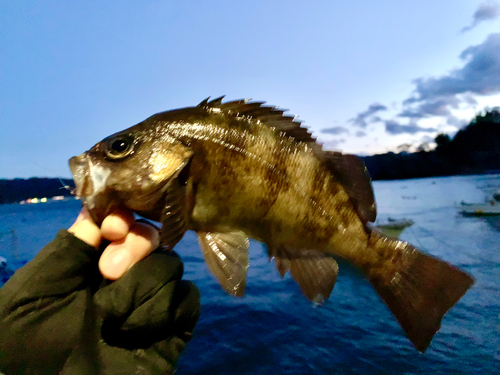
<point x="234" y="170"/>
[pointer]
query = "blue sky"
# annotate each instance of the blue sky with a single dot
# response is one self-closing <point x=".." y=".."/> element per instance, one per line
<point x="366" y="76"/>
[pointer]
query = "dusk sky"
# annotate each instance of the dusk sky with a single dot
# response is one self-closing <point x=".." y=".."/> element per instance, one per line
<point x="366" y="76"/>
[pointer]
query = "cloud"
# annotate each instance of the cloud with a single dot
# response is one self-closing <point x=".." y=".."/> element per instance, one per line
<point x="457" y="122"/>
<point x="393" y="127"/>
<point x="485" y="12"/>
<point x="431" y="108"/>
<point x="360" y="134"/>
<point x="480" y="75"/>
<point x="361" y="119"/>
<point x="469" y="99"/>
<point x="333" y="144"/>
<point x="405" y="147"/>
<point x="335" y="130"/>
<point x="427" y="139"/>
<point x="439" y="97"/>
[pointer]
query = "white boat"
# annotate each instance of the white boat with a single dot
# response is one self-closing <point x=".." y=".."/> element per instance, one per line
<point x="490" y="207"/>
<point x="394" y="227"/>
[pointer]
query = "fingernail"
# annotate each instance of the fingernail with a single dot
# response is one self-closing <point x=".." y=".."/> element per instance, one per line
<point x="117" y="264"/>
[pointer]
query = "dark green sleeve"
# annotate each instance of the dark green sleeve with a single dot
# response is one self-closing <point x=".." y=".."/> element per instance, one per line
<point x="43" y="306"/>
<point x="57" y="314"/>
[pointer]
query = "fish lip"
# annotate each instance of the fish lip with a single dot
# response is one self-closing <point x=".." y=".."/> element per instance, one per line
<point x="79" y="166"/>
<point x="99" y="202"/>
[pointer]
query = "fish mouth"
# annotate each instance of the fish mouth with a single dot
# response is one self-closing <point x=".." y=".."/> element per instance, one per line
<point x="91" y="189"/>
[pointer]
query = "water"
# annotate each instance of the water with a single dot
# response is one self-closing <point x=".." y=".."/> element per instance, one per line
<point x="275" y="330"/>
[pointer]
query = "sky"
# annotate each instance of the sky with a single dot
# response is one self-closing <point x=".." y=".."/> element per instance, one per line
<point x="365" y="76"/>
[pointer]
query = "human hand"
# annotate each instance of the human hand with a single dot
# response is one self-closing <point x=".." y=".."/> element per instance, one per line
<point x="58" y="316"/>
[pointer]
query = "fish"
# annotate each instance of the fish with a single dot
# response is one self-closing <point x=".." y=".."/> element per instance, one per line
<point x="241" y="169"/>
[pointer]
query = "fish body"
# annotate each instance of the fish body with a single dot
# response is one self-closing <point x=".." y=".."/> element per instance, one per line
<point x="238" y="170"/>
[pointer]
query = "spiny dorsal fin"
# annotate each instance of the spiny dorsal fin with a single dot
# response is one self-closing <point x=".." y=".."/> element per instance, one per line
<point x="204" y="102"/>
<point x="349" y="170"/>
<point x="271" y="116"/>
<point x="215" y="102"/>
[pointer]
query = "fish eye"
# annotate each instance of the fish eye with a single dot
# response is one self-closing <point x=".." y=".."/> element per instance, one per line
<point x="119" y="147"/>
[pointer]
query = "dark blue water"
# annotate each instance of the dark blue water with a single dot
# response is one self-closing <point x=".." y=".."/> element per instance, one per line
<point x="275" y="330"/>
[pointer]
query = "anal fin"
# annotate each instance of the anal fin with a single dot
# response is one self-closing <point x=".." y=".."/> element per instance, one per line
<point x="226" y="255"/>
<point x="315" y="272"/>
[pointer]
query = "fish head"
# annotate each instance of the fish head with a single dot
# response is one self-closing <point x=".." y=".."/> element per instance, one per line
<point x="131" y="168"/>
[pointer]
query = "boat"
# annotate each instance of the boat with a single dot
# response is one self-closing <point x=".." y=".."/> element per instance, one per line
<point x="490" y="207"/>
<point x="394" y="227"/>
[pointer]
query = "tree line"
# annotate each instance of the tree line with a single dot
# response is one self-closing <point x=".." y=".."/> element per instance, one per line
<point x="18" y="189"/>
<point x="475" y="149"/>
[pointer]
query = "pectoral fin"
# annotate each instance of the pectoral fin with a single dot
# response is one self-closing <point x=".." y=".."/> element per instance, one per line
<point x="315" y="272"/>
<point x="226" y="255"/>
<point x="174" y="217"/>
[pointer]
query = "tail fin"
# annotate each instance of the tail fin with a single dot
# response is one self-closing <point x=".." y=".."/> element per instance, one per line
<point x="418" y="288"/>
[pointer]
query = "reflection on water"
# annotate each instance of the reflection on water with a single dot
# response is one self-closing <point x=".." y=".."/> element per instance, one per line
<point x="493" y="221"/>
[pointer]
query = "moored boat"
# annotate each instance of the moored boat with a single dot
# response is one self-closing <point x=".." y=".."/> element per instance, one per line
<point x="490" y="207"/>
<point x="394" y="227"/>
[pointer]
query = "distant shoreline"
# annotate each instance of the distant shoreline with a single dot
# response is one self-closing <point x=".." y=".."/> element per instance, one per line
<point x="21" y="190"/>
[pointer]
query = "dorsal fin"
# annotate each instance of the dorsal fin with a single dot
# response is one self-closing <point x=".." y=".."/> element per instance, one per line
<point x="352" y="173"/>
<point x="349" y="170"/>
<point x="272" y="116"/>
<point x="215" y="102"/>
<point x="204" y="102"/>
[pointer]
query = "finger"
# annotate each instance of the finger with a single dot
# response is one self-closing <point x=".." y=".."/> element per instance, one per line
<point x="120" y="255"/>
<point x="85" y="229"/>
<point x="116" y="225"/>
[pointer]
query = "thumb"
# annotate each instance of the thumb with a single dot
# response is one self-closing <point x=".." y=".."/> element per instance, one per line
<point x="85" y="229"/>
